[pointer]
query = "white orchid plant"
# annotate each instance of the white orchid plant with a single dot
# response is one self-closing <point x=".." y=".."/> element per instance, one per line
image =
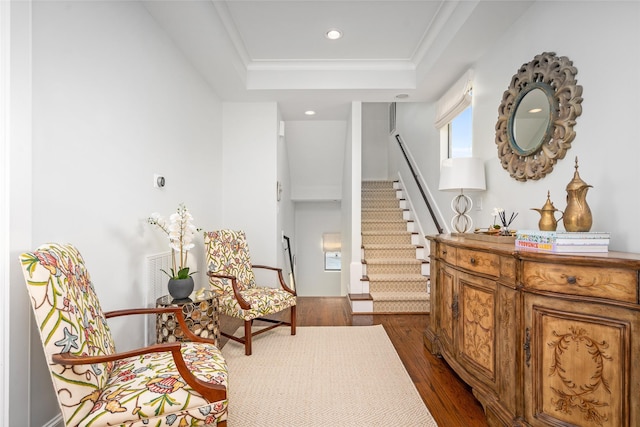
<point x="180" y="232"/>
<point x="495" y="214"/>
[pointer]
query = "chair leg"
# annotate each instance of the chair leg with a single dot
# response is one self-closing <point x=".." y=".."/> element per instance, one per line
<point x="247" y="337"/>
<point x="293" y="320"/>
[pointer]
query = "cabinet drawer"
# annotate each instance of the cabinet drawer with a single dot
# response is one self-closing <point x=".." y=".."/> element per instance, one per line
<point x="448" y="254"/>
<point x="612" y="283"/>
<point x="481" y="262"/>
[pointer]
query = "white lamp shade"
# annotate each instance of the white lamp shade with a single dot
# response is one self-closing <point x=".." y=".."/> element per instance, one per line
<point x="462" y="173"/>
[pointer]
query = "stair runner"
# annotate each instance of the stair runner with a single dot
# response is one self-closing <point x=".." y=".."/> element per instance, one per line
<point x="392" y="262"/>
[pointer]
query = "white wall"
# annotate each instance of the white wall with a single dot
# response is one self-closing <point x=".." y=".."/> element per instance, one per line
<point x="414" y="122"/>
<point x="347" y="213"/>
<point x="607" y="131"/>
<point x="15" y="211"/>
<point x="320" y="145"/>
<point x="352" y="204"/>
<point x="316" y="153"/>
<point x="250" y="171"/>
<point x="375" y="131"/>
<point x="113" y="103"/>
<point x="286" y="207"/>
<point x="312" y="220"/>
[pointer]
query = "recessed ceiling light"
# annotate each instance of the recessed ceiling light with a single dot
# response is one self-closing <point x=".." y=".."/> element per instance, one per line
<point x="333" y="34"/>
<point x="310" y="113"/>
<point x="535" y="110"/>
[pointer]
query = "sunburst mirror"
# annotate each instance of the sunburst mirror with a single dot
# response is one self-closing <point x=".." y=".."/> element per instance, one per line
<point x="537" y="116"/>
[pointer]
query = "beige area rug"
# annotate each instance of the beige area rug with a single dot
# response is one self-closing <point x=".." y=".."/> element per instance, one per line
<point x="323" y="376"/>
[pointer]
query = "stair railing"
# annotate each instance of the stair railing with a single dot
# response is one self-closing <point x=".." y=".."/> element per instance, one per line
<point x="415" y="177"/>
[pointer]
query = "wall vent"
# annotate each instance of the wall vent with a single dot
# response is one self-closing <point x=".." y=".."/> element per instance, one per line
<point x="156" y="282"/>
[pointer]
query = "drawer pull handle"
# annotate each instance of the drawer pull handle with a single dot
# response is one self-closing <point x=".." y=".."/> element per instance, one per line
<point x="472" y="260"/>
<point x="571" y="280"/>
<point x="455" y="310"/>
<point x="527" y="346"/>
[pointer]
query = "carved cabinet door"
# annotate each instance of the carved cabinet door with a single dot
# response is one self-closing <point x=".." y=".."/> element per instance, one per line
<point x="448" y="305"/>
<point x="579" y="361"/>
<point x="476" y="326"/>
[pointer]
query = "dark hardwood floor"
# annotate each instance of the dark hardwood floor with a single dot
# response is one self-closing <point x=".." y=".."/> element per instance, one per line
<point x="449" y="400"/>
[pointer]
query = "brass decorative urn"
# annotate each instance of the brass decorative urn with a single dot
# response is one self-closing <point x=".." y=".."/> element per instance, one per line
<point x="577" y="215"/>
<point x="548" y="221"/>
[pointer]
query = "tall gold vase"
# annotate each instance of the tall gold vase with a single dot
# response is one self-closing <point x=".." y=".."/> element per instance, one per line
<point x="577" y="215"/>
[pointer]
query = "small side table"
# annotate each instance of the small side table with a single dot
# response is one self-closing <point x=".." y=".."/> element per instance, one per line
<point x="201" y="315"/>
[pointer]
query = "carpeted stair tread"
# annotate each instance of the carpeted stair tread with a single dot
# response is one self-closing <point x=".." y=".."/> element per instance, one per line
<point x="384" y="225"/>
<point x="367" y="212"/>
<point x="390" y="246"/>
<point x="385" y="204"/>
<point x="402" y="306"/>
<point x="385" y="232"/>
<point x="379" y="195"/>
<point x="384" y="221"/>
<point x="378" y="182"/>
<point x="397" y="238"/>
<point x="391" y="259"/>
<point x="376" y="191"/>
<point x="399" y="296"/>
<point x="397" y="277"/>
<point x="395" y="261"/>
<point x="381" y="226"/>
<point x="417" y="286"/>
<point x="390" y="214"/>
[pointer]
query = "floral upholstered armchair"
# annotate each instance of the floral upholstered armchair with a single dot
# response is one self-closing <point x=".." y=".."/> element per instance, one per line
<point x="172" y="384"/>
<point x="231" y="276"/>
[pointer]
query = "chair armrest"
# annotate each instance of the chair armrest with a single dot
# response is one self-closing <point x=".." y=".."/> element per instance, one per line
<point x="72" y="359"/>
<point x="234" y="284"/>
<point x="211" y="392"/>
<point x="280" y="277"/>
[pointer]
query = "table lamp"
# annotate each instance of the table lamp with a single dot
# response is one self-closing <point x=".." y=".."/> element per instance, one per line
<point x="460" y="174"/>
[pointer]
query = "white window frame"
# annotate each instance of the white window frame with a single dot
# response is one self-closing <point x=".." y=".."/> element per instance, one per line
<point x="456" y="100"/>
<point x="332" y="248"/>
<point x="328" y="255"/>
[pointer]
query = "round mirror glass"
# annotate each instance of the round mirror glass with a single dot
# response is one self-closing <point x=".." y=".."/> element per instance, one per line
<point x="530" y="123"/>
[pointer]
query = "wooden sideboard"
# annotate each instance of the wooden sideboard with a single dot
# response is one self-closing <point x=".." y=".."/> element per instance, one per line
<point x="543" y="339"/>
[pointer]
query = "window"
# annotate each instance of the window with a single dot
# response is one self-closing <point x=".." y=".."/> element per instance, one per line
<point x="332" y="261"/>
<point x="332" y="247"/>
<point x="453" y="118"/>
<point x="459" y="135"/>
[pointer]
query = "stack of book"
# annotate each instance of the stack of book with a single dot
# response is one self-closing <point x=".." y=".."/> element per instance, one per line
<point x="563" y="241"/>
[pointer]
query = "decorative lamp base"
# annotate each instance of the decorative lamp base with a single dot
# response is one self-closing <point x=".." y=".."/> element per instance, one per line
<point x="461" y="222"/>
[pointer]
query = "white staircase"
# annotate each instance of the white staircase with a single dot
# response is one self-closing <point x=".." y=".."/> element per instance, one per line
<point x="394" y="265"/>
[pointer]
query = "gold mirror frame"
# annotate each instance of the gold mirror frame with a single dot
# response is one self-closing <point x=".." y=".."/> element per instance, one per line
<point x="559" y="74"/>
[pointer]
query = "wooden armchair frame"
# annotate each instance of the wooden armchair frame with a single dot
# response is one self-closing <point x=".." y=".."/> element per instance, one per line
<point x="246" y="339"/>
<point x="95" y="384"/>
<point x="211" y="392"/>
